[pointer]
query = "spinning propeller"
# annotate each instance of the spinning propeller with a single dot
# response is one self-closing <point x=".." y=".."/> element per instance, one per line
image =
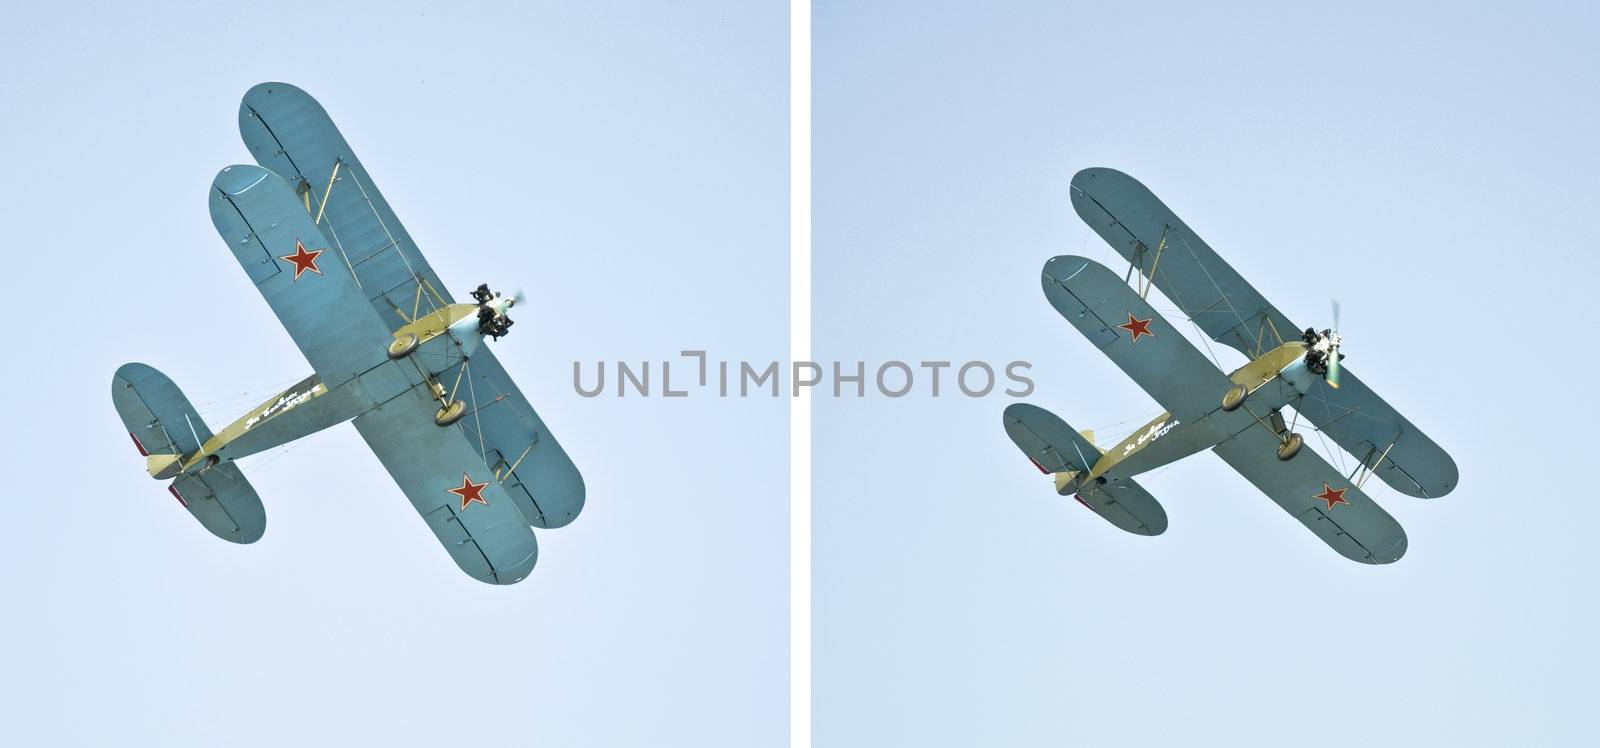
<point x="1333" y="349"/>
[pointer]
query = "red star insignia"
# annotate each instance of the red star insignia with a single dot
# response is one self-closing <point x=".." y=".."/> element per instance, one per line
<point x="1332" y="496"/>
<point x="470" y="492"/>
<point x="1138" y="327"/>
<point x="303" y="260"/>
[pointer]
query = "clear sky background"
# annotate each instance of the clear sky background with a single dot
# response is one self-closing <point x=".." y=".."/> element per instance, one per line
<point x="624" y="162"/>
<point x="1431" y="167"/>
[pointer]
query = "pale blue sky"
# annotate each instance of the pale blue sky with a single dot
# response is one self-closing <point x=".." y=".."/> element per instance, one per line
<point x="623" y="162"/>
<point x="1431" y="167"/>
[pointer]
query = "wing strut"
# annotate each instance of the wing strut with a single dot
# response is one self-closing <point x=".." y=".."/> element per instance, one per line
<point x="1146" y="280"/>
<point x="513" y="467"/>
<point x="323" y="208"/>
<point x="1364" y="470"/>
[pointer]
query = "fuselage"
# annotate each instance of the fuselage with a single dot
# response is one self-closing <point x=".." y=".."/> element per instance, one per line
<point x="446" y="336"/>
<point x="1273" y="380"/>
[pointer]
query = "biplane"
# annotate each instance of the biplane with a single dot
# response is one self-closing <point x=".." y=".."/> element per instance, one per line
<point x="390" y="349"/>
<point x="1239" y="415"/>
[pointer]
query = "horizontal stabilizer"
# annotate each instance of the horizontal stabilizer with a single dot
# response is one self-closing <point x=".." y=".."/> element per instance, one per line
<point x="1125" y="504"/>
<point x="223" y="501"/>
<point x="1054" y="447"/>
<point x="156" y="413"/>
<point x="165" y="428"/>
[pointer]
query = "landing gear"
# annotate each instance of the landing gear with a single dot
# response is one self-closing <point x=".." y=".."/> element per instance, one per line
<point x="1234" y="397"/>
<point x="1289" y="443"/>
<point x="449" y="413"/>
<point x="450" y="409"/>
<point x="1290" y="447"/>
<point x="404" y="345"/>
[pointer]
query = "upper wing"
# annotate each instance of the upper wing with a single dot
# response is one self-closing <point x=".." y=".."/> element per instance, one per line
<point x="1134" y="336"/>
<point x="306" y="282"/>
<point x="289" y="132"/>
<point x="1136" y="223"/>
<point x="1355" y="418"/>
<point x="447" y="482"/>
<point x="1310" y="490"/>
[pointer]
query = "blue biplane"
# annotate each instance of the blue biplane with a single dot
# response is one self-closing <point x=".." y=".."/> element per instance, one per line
<point x="1238" y="415"/>
<point x="391" y="351"/>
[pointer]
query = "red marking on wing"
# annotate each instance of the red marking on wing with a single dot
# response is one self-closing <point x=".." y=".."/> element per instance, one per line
<point x="303" y="260"/>
<point x="470" y="492"/>
<point x="1137" y="327"/>
<point x="1085" y="504"/>
<point x="142" y="451"/>
<point x="1333" y="496"/>
<point x="1037" y="465"/>
<point x="173" y="489"/>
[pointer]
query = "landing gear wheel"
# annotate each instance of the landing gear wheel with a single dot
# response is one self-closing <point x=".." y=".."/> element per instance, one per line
<point x="1290" y="447"/>
<point x="450" y="413"/>
<point x="404" y="345"/>
<point x="1234" y="397"/>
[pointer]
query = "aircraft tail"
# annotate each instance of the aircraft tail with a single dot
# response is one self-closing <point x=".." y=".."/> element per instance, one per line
<point x="165" y="429"/>
<point x="1050" y="444"/>
<point x="1053" y="447"/>
<point x="164" y="426"/>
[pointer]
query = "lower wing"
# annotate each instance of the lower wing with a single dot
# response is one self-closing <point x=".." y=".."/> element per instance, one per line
<point x="1310" y="490"/>
<point x="449" y="484"/>
<point x="533" y="467"/>
<point x="1130" y="333"/>
<point x="307" y="282"/>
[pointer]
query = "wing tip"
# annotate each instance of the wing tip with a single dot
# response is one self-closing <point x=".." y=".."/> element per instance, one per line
<point x="1152" y="529"/>
<point x="573" y="506"/>
<point x="1062" y="268"/>
<point x="236" y="179"/>
<point x="269" y="88"/>
<point x="1081" y="180"/>
<point x="1390" y="553"/>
